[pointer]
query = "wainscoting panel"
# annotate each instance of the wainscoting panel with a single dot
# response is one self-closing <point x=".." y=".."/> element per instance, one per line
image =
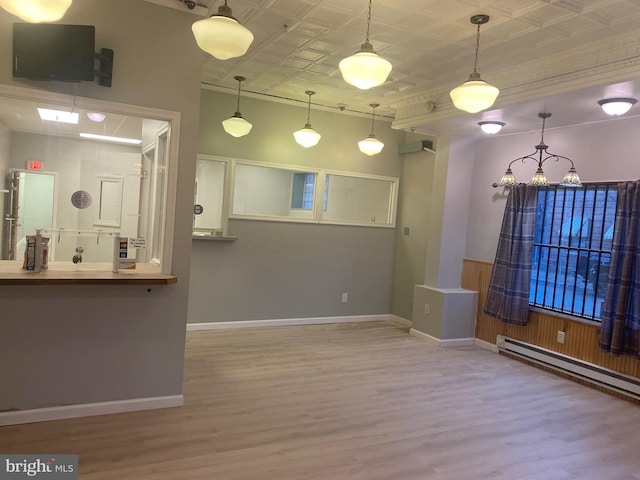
<point x="581" y="339"/>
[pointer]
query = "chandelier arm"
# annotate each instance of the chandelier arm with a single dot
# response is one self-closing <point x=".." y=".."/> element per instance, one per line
<point x="556" y="158"/>
<point x="522" y="159"/>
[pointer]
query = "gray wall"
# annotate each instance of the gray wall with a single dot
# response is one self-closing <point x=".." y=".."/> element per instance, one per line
<point x="285" y="270"/>
<point x="605" y="151"/>
<point x="81" y="344"/>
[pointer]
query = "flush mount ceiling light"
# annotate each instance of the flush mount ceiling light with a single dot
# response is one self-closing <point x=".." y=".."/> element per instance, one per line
<point x="571" y="178"/>
<point x="491" y="127"/>
<point x="371" y="145"/>
<point x="236" y="125"/>
<point x="617" y="106"/>
<point x="96" y="117"/>
<point x="58" y="116"/>
<point x="221" y="35"/>
<point x="365" y="69"/>
<point x="475" y="94"/>
<point x="307" y="136"/>
<point x="36" y="11"/>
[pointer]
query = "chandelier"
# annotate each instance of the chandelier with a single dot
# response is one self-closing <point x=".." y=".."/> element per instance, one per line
<point x="571" y="178"/>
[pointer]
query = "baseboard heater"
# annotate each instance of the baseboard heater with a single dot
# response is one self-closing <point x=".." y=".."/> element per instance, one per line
<point x="585" y="371"/>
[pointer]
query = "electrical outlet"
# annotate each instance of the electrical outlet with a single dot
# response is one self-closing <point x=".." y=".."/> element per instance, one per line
<point x="345" y="297"/>
<point x="560" y="338"/>
<point x="426" y="309"/>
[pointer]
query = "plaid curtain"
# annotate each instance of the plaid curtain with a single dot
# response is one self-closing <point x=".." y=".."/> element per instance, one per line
<point x="621" y="309"/>
<point x="508" y="294"/>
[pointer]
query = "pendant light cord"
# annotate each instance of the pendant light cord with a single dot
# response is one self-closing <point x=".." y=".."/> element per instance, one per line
<point x="475" y="63"/>
<point x="373" y="117"/>
<point x="309" y="110"/>
<point x="368" y="22"/>
<point x="238" y="104"/>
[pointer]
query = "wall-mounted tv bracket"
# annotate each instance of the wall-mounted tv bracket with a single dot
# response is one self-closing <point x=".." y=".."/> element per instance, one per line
<point x="105" y="73"/>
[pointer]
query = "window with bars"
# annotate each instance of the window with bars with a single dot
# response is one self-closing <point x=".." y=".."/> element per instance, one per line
<point x="572" y="248"/>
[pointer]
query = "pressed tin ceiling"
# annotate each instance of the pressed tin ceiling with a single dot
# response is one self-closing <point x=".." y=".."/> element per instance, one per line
<point x="562" y="55"/>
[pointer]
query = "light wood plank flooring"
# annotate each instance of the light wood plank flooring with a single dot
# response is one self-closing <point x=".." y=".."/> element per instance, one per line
<point x="358" y="401"/>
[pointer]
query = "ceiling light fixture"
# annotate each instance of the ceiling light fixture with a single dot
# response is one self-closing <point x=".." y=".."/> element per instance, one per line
<point x="475" y="94"/>
<point x="58" y="116"/>
<point x="617" y="106"/>
<point x="221" y="35"/>
<point x="307" y="136"/>
<point x="365" y="69"/>
<point x="371" y="145"/>
<point x="36" y="11"/>
<point x="491" y="127"/>
<point x="236" y="125"/>
<point x="96" y="117"/>
<point x="571" y="178"/>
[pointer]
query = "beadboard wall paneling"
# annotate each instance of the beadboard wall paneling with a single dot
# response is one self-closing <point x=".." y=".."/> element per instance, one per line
<point x="581" y="339"/>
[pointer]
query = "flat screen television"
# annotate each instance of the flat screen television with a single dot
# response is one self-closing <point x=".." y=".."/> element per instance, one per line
<point x="54" y="52"/>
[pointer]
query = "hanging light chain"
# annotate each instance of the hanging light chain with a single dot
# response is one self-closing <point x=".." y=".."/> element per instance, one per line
<point x="368" y="22"/>
<point x="373" y="116"/>
<point x="309" y="109"/>
<point x="240" y="80"/>
<point x="475" y="63"/>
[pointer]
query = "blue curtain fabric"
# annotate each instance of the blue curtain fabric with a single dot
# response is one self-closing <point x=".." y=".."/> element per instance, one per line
<point x="621" y="309"/>
<point x="508" y="293"/>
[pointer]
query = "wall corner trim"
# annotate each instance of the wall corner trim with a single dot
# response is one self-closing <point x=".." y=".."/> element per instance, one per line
<point x="486" y="345"/>
<point x="402" y="322"/>
<point x="444" y="343"/>
<point x="17" y="417"/>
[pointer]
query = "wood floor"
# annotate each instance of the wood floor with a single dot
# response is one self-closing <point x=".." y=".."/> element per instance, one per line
<point x="358" y="401"/>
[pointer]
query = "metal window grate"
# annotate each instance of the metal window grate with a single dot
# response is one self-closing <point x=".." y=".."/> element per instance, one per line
<point x="572" y="248"/>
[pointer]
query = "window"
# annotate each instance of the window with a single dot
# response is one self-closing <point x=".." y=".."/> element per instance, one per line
<point x="572" y="248"/>
<point x="88" y="189"/>
<point x="286" y="193"/>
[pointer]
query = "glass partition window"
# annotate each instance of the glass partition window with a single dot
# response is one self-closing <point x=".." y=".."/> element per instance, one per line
<point x="53" y="177"/>
<point x="270" y="192"/>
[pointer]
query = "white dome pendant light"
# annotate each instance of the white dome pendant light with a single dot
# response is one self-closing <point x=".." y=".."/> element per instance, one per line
<point x="365" y="69"/>
<point x="371" y="145"/>
<point x="236" y="125"/>
<point x="307" y="136"/>
<point x="475" y="94"/>
<point x="221" y="35"/>
<point x="36" y="11"/>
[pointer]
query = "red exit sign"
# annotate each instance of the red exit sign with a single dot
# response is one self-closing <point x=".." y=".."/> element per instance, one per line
<point x="34" y="165"/>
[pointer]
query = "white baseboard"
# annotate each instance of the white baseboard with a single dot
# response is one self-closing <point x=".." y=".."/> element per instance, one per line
<point x="444" y="343"/>
<point x="17" y="417"/>
<point x="285" y="322"/>
<point x="403" y="322"/>
<point x="486" y="345"/>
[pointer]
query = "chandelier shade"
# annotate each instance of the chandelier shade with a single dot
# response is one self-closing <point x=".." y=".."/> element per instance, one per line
<point x="617" y="106"/>
<point x="475" y="94"/>
<point x="307" y="136"/>
<point x="236" y="125"/>
<point x="221" y="35"/>
<point x="541" y="155"/>
<point x="371" y="145"/>
<point x="37" y="11"/>
<point x="365" y="69"/>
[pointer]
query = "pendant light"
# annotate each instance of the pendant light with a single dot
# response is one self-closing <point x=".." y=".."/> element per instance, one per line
<point x="475" y="94"/>
<point x="307" y="136"/>
<point x="570" y="179"/>
<point x="221" y="35"/>
<point x="371" y="145"/>
<point x="36" y="11"/>
<point x="491" y="127"/>
<point x="365" y="69"/>
<point x="236" y="125"/>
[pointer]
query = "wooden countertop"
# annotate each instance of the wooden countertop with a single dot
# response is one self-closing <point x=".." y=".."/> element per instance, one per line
<point x="85" y="274"/>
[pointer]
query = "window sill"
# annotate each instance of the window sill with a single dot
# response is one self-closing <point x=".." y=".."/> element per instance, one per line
<point x="565" y="316"/>
<point x="217" y="238"/>
<point x="88" y="274"/>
